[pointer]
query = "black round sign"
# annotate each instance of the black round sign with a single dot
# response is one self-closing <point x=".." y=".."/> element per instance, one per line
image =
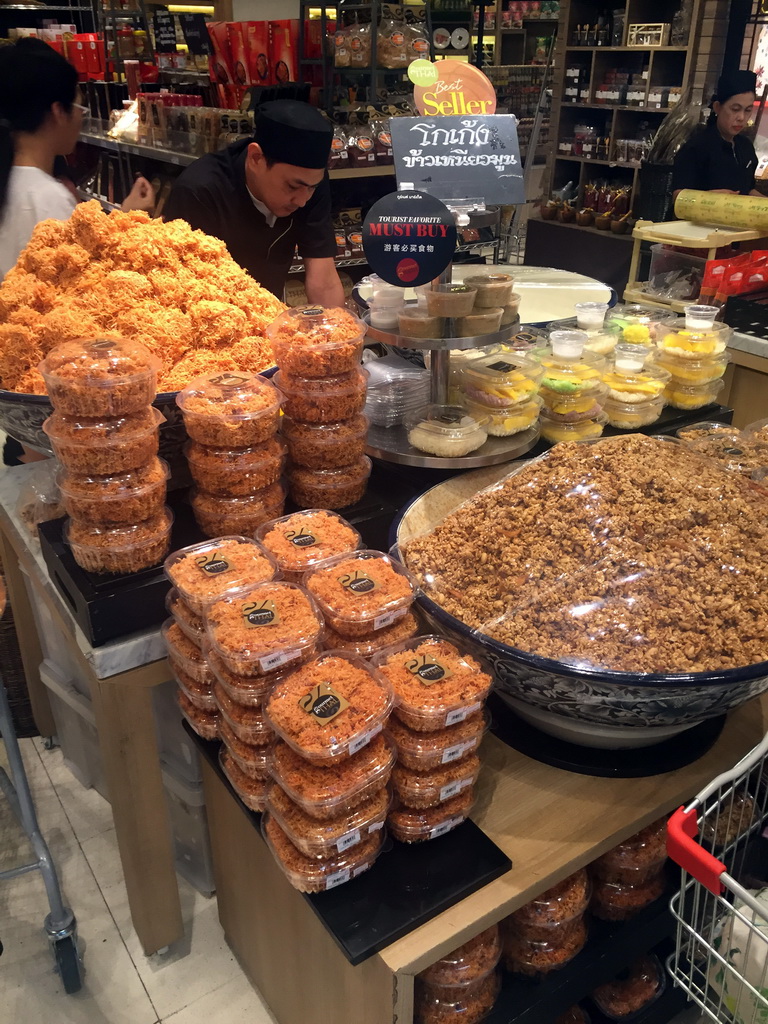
<point x="409" y="238"/>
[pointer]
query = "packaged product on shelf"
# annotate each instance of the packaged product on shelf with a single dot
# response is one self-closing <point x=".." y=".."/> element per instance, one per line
<point x="692" y="396"/>
<point x="367" y="646"/>
<point x="329" y="838"/>
<point x="360" y="146"/>
<point x="312" y="341"/>
<point x="236" y="472"/>
<point x="471" y="962"/>
<point x="249" y="691"/>
<point x="452" y="300"/>
<point x="262" y="628"/>
<point x="690" y="371"/>
<point x="187" y="621"/>
<point x="339" y="157"/>
<point x="342" y="55"/>
<point x="325" y="792"/>
<point x="735" y="451"/>
<point x="569" y="372"/>
<point x="511" y="311"/>
<point x="391" y="50"/>
<point x="252" y="791"/>
<point x="229" y="410"/>
<point x="554" y="912"/>
<point x="680" y="340"/>
<point x="618" y="901"/>
<point x="479" y="321"/>
<point x="420" y="790"/>
<point x="216" y="515"/>
<point x="445" y="430"/>
<point x="325" y="399"/>
<point x="556" y="430"/>
<point x="382" y="141"/>
<point x="632" y="990"/>
<point x="247" y="722"/>
<point x="411" y="825"/>
<point x="466" y="1003"/>
<point x="117" y="500"/>
<point x="329" y="488"/>
<point x="204" y="723"/>
<point x="103" y="447"/>
<point x="252" y="759"/>
<point x="492" y="289"/>
<point x="300" y="541"/>
<point x="501" y="380"/>
<point x="359" y="42"/>
<point x="503" y="422"/>
<point x="120" y="549"/>
<point x="415" y="322"/>
<point x="636" y="859"/>
<point x="536" y="958"/>
<point x="423" y="751"/>
<point x="416" y="34"/>
<point x="639" y="325"/>
<point x="325" y="445"/>
<point x="186" y="654"/>
<point x="198" y="694"/>
<point x="310" y="874"/>
<point x="203" y="572"/>
<point x="697" y="431"/>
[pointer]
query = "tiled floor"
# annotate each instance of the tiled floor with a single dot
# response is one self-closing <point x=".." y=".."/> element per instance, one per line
<point x="199" y="982"/>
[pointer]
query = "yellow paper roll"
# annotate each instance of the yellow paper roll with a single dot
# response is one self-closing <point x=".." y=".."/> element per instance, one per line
<point x="748" y="212"/>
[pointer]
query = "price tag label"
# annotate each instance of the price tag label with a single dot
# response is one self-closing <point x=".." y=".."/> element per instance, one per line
<point x="456" y="752"/>
<point x="364" y="739"/>
<point x="446" y="826"/>
<point x="273" y="661"/>
<point x="387" y="618"/>
<point x="349" y="840"/>
<point x="337" y="878"/>
<point x="454" y="788"/>
<point x="459" y="714"/>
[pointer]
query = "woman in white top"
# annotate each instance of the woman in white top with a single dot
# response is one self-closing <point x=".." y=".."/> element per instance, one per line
<point x="40" y="119"/>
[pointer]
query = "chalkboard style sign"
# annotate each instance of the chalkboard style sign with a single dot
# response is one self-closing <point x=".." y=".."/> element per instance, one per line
<point x="165" y="31"/>
<point x="195" y="33"/>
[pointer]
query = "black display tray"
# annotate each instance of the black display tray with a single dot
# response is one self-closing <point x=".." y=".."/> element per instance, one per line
<point x="406" y="887"/>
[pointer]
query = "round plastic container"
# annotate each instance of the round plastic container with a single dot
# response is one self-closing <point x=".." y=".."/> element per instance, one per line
<point x="450" y="300"/>
<point x="329" y="488"/>
<point x="536" y="958"/>
<point x="229" y="410"/>
<point x="574" y="1015"/>
<point x="104" y="447"/>
<point x="618" y="901"/>
<point x="420" y="790"/>
<point x="362" y="592"/>
<point x="311" y="874"/>
<point x="330" y="838"/>
<point x="492" y="289"/>
<point x="248" y="691"/>
<point x="435" y="684"/>
<point x="367" y="646"/>
<point x="504" y="422"/>
<point x="444" y="430"/>
<point x="99" y="378"/>
<point x="409" y="825"/>
<point x="198" y="694"/>
<point x="325" y="794"/>
<point x="632" y="991"/>
<point x="501" y="380"/>
<point x="246" y="721"/>
<point x="217" y="516"/>
<point x="252" y="760"/>
<point x="568" y="369"/>
<point x="204" y="723"/>
<point x="185" y="618"/>
<point x="639" y="325"/>
<point x="691" y="396"/>
<point x="757" y="429"/>
<point x="470" y="963"/>
<point x="186" y="653"/>
<point x="479" y="321"/>
<point x="331" y="707"/>
<point x="696" y="431"/>
<point x="324" y="400"/>
<point x="678" y="339"/>
<point x="300" y="541"/>
<point x="236" y="472"/>
<point x="120" y="549"/>
<point x="628" y="379"/>
<point x="423" y="751"/>
<point x="325" y="445"/>
<point x="415" y="322"/>
<point x="590" y="316"/>
<point x="259" y="629"/>
<point x="644" y="851"/>
<point x="546" y="917"/>
<point x="601" y="341"/>
<point x="203" y="572"/>
<point x="584" y="430"/>
<point x="252" y="792"/>
<point x="466" y="1004"/>
<point x="692" y="371"/>
<point x="119" y="500"/>
<point x="633" y="415"/>
<point x="312" y="341"/>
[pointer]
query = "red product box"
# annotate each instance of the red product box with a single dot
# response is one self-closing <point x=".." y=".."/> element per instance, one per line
<point x="284" y="51"/>
<point x="313" y="36"/>
<point x="238" y="50"/>
<point x="77" y="54"/>
<point x="257" y="51"/>
<point x="221" y="60"/>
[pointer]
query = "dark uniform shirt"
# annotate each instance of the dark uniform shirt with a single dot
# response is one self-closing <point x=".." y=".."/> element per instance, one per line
<point x="707" y="162"/>
<point x="211" y="194"/>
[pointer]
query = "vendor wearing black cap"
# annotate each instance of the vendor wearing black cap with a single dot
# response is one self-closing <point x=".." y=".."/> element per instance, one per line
<point x="264" y="196"/>
<point x="718" y="158"/>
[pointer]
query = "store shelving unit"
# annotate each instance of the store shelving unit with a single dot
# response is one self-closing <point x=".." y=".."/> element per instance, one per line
<point x="32" y="15"/>
<point x="516" y="45"/>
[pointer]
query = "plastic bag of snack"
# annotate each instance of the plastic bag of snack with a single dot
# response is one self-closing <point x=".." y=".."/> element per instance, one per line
<point x="390" y="42"/>
<point x="360" y="45"/>
<point x="339" y="156"/>
<point x="714" y="272"/>
<point x="360" y="147"/>
<point x="39" y="499"/>
<point x="382" y="141"/>
<point x="342" y="53"/>
<point x="416" y="35"/>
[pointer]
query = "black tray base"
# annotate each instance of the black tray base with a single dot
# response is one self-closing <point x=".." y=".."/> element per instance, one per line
<point x="408" y="885"/>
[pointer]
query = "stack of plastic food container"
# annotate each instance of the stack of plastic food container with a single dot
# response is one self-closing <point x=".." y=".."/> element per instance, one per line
<point x="437" y="726"/>
<point x="234" y="455"/>
<point x="633" y="991"/>
<point x="500" y="391"/>
<point x="496" y="304"/>
<point x="318" y="352"/>
<point x="104" y="432"/>
<point x="571" y="389"/>
<point x="639" y="325"/>
<point x="631" y="875"/>
<point x="635" y="390"/>
<point x="201" y="573"/>
<point x="395" y="389"/>
<point x="301" y="541"/>
<point x="590" y="318"/>
<point x="463" y="985"/>
<point x="385" y="303"/>
<point x="548" y="932"/>
<point x="692" y="351"/>
<point x="325" y="818"/>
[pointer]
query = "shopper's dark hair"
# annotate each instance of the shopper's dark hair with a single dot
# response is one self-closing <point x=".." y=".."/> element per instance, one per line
<point x="33" y="76"/>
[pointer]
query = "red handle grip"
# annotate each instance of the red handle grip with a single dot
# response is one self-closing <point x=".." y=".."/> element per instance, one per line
<point x="682" y="847"/>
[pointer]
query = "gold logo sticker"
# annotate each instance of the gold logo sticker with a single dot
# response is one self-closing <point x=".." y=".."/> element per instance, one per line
<point x="358" y="582"/>
<point x="429" y="670"/>
<point x="323" y="702"/>
<point x="260" y="613"/>
<point x="212" y="563"/>
<point x="301" y="538"/>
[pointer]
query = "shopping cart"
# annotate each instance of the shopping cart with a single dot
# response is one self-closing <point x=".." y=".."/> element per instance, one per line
<point x="721" y="958"/>
<point x="60" y="925"/>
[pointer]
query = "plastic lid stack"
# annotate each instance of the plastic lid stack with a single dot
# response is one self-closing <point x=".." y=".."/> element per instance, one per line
<point x="105" y="433"/>
<point x="318" y="353"/>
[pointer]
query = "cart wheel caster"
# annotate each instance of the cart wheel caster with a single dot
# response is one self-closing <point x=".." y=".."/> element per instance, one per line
<point x="49" y="743"/>
<point x="163" y="950"/>
<point x="68" y="964"/>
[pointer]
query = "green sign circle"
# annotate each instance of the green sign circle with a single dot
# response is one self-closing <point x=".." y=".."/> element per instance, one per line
<point x="422" y="72"/>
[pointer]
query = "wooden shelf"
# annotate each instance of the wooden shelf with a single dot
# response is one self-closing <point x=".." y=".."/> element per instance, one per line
<point x="589" y="160"/>
<point x="614" y="106"/>
<point x="627" y="237"/>
<point x="628" y="49"/>
<point x="361" y="172"/>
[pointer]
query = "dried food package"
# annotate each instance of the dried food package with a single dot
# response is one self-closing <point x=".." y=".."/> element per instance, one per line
<point x="342" y="54"/>
<point x="466" y="1003"/>
<point x="339" y="156"/>
<point x="302" y="540"/>
<point x="416" y="35"/>
<point x="359" y="41"/>
<point x="469" y="963"/>
<point x="382" y="141"/>
<point x="631" y="991"/>
<point x="361" y="151"/>
<point x="391" y="48"/>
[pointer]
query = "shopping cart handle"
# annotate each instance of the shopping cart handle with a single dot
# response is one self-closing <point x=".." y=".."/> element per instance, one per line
<point x="682" y="829"/>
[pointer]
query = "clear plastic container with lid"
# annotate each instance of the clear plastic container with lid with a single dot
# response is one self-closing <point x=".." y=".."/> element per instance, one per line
<point x="689" y="370"/>
<point x="325" y="445"/>
<point x="325" y="794"/>
<point x="420" y="790"/>
<point x="186" y="653"/>
<point x="252" y="791"/>
<point x="493" y="289"/>
<point x="501" y="380"/>
<point x="736" y="451"/>
<point x="639" y="325"/>
<point x="692" y="396"/>
<point x="632" y="415"/>
<point x="679" y="339"/>
<point x="535" y="958"/>
<point x="329" y="488"/>
<point x="236" y="472"/>
<point x="204" y="723"/>
<point x="246" y="722"/>
<point x="601" y="341"/>
<point x="422" y="751"/>
<point x="435" y="684"/>
<point x="547" y="917"/>
<point x="696" y="431"/>
<point x="465" y="1004"/>
<point x="445" y="430"/>
<point x="203" y="572"/>
<point x="618" y="901"/>
<point x="229" y="410"/>
<point x="249" y="691"/>
<point x="104" y="447"/>
<point x="312" y="341"/>
<point x="325" y="839"/>
<point x="632" y="991"/>
<point x="298" y="542"/>
<point x="252" y="759"/>
<point x="362" y="592"/>
<point x="259" y="629"/>
<point x="629" y="379"/>
<point x="419" y="825"/>
<point x="646" y="849"/>
<point x="503" y="422"/>
<point x="511" y="311"/>
<point x="568" y="369"/>
<point x="416" y="322"/>
<point x="217" y="515"/>
<point x="187" y="621"/>
<point x="118" y="500"/>
<point x="590" y="316"/>
<point x="479" y="322"/>
<point x="311" y="874"/>
<point x="323" y="400"/>
<point x="471" y="962"/>
<point x="583" y="430"/>
<point x="450" y="300"/>
<point x="120" y="549"/>
<point x="197" y="693"/>
<point x="367" y="646"/>
<point x="100" y="377"/>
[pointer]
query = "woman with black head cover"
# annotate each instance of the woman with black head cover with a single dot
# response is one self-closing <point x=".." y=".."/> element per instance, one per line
<point x="718" y="157"/>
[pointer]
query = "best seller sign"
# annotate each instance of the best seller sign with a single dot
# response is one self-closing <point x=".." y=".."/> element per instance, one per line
<point x="459" y="157"/>
<point x="409" y="238"/>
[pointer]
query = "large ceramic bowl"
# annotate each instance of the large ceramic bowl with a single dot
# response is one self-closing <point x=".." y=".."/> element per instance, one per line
<point x="593" y="708"/>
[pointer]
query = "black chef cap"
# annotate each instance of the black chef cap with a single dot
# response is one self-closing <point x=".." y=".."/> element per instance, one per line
<point x="733" y="84"/>
<point x="290" y="132"/>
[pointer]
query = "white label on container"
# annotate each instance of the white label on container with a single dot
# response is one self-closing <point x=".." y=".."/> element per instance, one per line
<point x="453" y="788"/>
<point x="360" y="869"/>
<point x="375" y="827"/>
<point x="365" y="739"/>
<point x="457" y="751"/>
<point x="387" y="618"/>
<point x="454" y="717"/>
<point x="350" y="839"/>
<point x="337" y="878"/>
<point x="273" y="661"/>
<point x="440" y="830"/>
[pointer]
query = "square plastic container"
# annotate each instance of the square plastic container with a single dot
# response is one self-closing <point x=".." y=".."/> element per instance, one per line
<point x="632" y="991"/>
<point x="465" y="1004"/>
<point x="367" y="646"/>
<point x="584" y="430"/>
<point x="504" y="422"/>
<point x="450" y="300"/>
<point x="331" y="707"/>
<point x="680" y="340"/>
<point x="362" y="592"/>
<point x="329" y="792"/>
<point x="312" y="341"/>
<point x="107" y="446"/>
<point x="189" y="825"/>
<point x="326" y="839"/>
<point x="492" y="289"/>
<point x="300" y="541"/>
<point x="252" y="791"/>
<point x="203" y="572"/>
<point x="217" y="516"/>
<point x="325" y="445"/>
<point x="189" y="623"/>
<point x="576" y="407"/>
<point x="323" y="400"/>
<point x="120" y="549"/>
<point x="421" y="790"/>
<point x="100" y="377"/>
<point x="246" y="721"/>
<point x="674" y="274"/>
<point x="262" y="628"/>
<point x="435" y="684"/>
<point x="501" y="380"/>
<point x="423" y="751"/>
<point x="409" y="825"/>
<point x="467" y="965"/>
<point x="184" y="652"/>
<point x="445" y="430"/>
<point x="253" y="760"/>
<point x="692" y="396"/>
<point x="119" y="500"/>
<point x="250" y="691"/>
<point x="236" y="472"/>
<point x="228" y="410"/>
<point x="204" y="723"/>
<point x="329" y="488"/>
